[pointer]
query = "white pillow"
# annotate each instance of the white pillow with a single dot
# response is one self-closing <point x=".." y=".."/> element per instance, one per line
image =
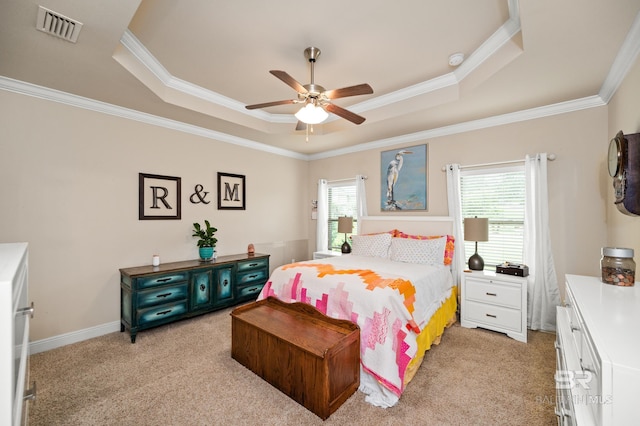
<point x="428" y="252"/>
<point x="371" y="245"/>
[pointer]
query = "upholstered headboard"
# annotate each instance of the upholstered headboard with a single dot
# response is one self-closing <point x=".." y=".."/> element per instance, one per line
<point x="420" y="225"/>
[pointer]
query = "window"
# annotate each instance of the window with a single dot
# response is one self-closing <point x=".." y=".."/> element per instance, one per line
<point x="499" y="195"/>
<point x="342" y="202"/>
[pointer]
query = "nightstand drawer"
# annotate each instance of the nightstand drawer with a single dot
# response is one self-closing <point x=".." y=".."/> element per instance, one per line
<point x="161" y="313"/>
<point x="495" y="316"/>
<point x="156" y="280"/>
<point x="162" y="295"/>
<point x="253" y="264"/>
<point x="495" y="293"/>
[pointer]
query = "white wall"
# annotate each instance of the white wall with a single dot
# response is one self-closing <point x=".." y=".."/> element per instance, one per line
<point x="624" y="114"/>
<point x="69" y="187"/>
<point x="576" y="194"/>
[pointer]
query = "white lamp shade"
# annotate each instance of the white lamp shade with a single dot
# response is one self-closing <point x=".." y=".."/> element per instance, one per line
<point x="476" y="229"/>
<point x="311" y="114"/>
<point x="345" y="225"/>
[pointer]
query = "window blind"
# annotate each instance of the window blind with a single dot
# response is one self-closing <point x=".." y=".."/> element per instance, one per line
<point x="342" y="202"/>
<point x="499" y="195"/>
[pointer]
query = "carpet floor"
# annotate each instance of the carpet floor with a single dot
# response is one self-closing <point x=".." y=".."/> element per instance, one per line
<point x="183" y="374"/>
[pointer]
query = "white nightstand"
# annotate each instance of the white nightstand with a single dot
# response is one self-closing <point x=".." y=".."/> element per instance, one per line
<point x="326" y="253"/>
<point x="495" y="301"/>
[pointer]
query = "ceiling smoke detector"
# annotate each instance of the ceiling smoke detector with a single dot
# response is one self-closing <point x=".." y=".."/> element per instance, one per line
<point x="456" y="59"/>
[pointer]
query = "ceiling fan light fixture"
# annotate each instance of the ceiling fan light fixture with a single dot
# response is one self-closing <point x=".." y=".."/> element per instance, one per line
<point x="311" y="114"/>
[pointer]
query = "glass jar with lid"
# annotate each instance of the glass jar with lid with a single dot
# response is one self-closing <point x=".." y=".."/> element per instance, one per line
<point x="617" y="266"/>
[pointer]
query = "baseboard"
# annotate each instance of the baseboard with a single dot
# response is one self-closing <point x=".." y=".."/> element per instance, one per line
<point x="73" y="337"/>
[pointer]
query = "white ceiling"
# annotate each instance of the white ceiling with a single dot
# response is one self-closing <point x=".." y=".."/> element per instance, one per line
<point x="199" y="62"/>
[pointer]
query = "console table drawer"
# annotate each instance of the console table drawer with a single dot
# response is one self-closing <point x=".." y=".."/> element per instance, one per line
<point x="160" y="313"/>
<point x="253" y="264"/>
<point x="162" y="295"/>
<point x="161" y="280"/>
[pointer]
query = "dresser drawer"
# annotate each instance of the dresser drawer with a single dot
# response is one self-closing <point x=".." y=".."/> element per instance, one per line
<point x="162" y="295"/>
<point x="161" y="313"/>
<point x="251" y="291"/>
<point x="253" y="264"/>
<point x="491" y="315"/>
<point x="249" y="277"/>
<point x="494" y="292"/>
<point x="155" y="280"/>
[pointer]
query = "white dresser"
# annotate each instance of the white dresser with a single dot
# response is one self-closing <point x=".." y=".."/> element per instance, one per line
<point x="598" y="354"/>
<point x="496" y="302"/>
<point x="14" y="333"/>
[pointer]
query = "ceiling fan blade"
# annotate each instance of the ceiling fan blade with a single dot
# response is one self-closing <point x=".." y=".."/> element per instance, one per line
<point x="346" y="114"/>
<point x="301" y="125"/>
<point x="269" y="104"/>
<point x="292" y="82"/>
<point x="360" y="89"/>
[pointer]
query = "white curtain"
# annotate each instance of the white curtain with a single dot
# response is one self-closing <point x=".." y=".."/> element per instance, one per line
<point x="542" y="285"/>
<point x="322" y="224"/>
<point x="455" y="211"/>
<point x="361" y="199"/>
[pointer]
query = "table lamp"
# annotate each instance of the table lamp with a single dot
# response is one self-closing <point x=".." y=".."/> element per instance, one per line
<point x="476" y="229"/>
<point x="345" y="226"/>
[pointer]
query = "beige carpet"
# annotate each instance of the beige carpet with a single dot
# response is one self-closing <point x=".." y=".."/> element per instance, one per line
<point x="183" y="374"/>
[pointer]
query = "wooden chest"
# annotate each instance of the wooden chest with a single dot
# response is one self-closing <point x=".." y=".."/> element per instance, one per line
<point x="310" y="357"/>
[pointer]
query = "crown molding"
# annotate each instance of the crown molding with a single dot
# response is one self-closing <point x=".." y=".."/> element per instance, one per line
<point x="623" y="62"/>
<point x="499" y="120"/>
<point x="487" y="49"/>
<point x="53" y="95"/>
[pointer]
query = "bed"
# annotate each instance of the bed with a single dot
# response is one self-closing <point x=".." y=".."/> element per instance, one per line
<point x="396" y="285"/>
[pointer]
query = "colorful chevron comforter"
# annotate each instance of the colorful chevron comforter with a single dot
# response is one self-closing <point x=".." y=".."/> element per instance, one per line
<point x="390" y="301"/>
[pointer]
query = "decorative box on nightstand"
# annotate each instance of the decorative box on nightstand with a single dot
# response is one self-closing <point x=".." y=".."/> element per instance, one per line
<point x="496" y="302"/>
<point x="325" y="253"/>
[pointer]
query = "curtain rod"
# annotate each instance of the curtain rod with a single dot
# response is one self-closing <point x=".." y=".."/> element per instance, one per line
<point x="344" y="180"/>
<point x="550" y="157"/>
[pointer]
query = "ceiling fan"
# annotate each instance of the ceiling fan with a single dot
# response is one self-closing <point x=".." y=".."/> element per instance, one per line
<point x="316" y="100"/>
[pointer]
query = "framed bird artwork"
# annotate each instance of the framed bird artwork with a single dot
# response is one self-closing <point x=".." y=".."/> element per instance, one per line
<point x="403" y="179"/>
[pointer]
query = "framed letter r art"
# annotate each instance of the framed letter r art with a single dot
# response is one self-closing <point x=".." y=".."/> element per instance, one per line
<point x="231" y="192"/>
<point x="159" y="197"/>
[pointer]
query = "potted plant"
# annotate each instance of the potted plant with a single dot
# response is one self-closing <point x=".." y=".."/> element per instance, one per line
<point x="207" y="242"/>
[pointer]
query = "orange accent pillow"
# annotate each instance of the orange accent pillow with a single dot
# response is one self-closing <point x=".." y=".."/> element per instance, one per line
<point x="449" y="247"/>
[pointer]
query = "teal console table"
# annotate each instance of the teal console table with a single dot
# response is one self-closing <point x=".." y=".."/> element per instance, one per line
<point x="155" y="295"/>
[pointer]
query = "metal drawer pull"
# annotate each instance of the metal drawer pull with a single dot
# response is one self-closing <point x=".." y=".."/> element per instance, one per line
<point x="253" y="264"/>
<point x="491" y="294"/>
<point x="589" y="369"/>
<point x="253" y="276"/>
<point x="164" y="295"/>
<point x="164" y="312"/>
<point x="26" y="311"/>
<point x="163" y="280"/>
<point x="574" y="327"/>
<point x="225" y="282"/>
<point x="492" y="316"/>
<point x="30" y="394"/>
<point x="251" y="290"/>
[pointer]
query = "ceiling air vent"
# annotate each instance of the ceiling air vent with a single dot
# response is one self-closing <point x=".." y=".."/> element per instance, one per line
<point x="58" y="25"/>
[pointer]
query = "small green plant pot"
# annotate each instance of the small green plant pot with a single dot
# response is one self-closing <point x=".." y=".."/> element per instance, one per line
<point x="206" y="253"/>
